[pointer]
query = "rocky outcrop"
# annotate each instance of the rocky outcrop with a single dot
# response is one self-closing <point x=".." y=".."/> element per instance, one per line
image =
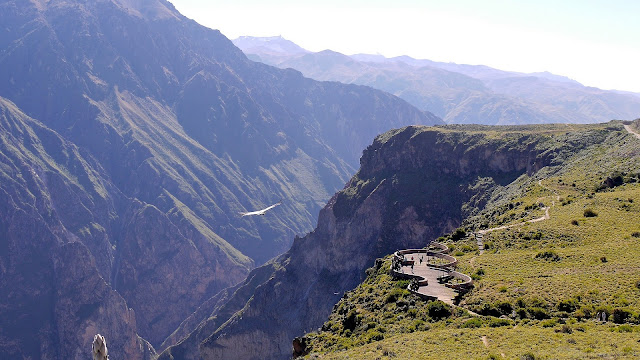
<point x="414" y="185"/>
<point x="86" y="305"/>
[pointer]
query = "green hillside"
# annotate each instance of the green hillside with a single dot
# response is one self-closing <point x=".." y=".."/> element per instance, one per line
<point x="539" y="286"/>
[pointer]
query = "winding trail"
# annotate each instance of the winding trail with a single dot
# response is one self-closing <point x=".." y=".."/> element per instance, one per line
<point x="480" y="234"/>
<point x="631" y="131"/>
<point x="542" y="218"/>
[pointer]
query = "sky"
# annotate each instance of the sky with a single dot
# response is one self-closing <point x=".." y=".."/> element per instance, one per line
<point x="596" y="42"/>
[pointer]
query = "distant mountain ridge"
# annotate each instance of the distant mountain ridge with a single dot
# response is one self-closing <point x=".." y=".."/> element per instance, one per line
<point x="461" y="93"/>
<point x="274" y="44"/>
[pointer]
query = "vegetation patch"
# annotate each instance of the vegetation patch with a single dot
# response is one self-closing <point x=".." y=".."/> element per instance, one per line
<point x="554" y="288"/>
<point x="548" y="255"/>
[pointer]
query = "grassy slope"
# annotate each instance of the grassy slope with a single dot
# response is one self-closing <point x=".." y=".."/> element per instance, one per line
<point x="551" y="305"/>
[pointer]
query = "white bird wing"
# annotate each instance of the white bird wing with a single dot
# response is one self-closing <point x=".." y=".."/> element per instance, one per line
<point x="260" y="212"/>
<point x="250" y="213"/>
<point x="271" y="207"/>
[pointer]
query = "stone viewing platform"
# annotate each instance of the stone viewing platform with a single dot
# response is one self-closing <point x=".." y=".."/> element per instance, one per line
<point x="434" y="271"/>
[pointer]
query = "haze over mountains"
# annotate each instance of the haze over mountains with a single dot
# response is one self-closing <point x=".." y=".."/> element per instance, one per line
<point x="457" y="93"/>
<point x="131" y="139"/>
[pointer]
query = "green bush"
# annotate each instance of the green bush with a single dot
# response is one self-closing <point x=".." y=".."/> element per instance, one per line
<point x="528" y="356"/>
<point x="504" y="307"/>
<point x="590" y="213"/>
<point x="438" y="310"/>
<point x="488" y="309"/>
<point x="548" y="256"/>
<point x="351" y="320"/>
<point x="498" y="322"/>
<point x="472" y="323"/>
<point x="458" y="234"/>
<point x="585" y="312"/>
<point x="565" y="329"/>
<point x="418" y="325"/>
<point x="548" y="323"/>
<point x="538" y="313"/>
<point x="569" y="305"/>
<point x="624" y="329"/>
<point x="395" y="294"/>
<point x="373" y="335"/>
<point x="620" y="316"/>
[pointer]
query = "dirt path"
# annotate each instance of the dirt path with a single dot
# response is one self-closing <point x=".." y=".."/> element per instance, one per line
<point x="480" y="234"/>
<point x="485" y="341"/>
<point x="630" y="130"/>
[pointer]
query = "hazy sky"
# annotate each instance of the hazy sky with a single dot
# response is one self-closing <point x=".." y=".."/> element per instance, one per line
<point x="596" y="42"/>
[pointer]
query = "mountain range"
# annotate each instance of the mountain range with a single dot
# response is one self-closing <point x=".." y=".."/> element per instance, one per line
<point x="459" y="94"/>
<point x="132" y="138"/>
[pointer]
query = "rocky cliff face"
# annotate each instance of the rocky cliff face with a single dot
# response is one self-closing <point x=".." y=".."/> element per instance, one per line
<point x="140" y="134"/>
<point x="55" y="254"/>
<point x="414" y="185"/>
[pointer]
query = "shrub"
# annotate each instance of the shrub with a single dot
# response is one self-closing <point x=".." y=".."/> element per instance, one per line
<point x="489" y="310"/>
<point x="418" y="325"/>
<point x="548" y="323"/>
<point x="373" y="335"/>
<point x="604" y="259"/>
<point x="574" y="222"/>
<point x="565" y="329"/>
<point x="505" y="307"/>
<point x="624" y="329"/>
<point x="528" y="356"/>
<point x="522" y="313"/>
<point x="351" y="320"/>
<point x="620" y="316"/>
<point x="472" y="323"/>
<point x="498" y="322"/>
<point x="438" y="310"/>
<point x="590" y="213"/>
<point x="548" y="256"/>
<point x="395" y="294"/>
<point x="538" y="313"/>
<point x="585" y="312"/>
<point x="569" y="305"/>
<point x="458" y="234"/>
<point x="478" y="274"/>
<point x="636" y="234"/>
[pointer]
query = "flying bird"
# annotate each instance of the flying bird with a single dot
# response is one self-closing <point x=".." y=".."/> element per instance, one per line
<point x="260" y="212"/>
